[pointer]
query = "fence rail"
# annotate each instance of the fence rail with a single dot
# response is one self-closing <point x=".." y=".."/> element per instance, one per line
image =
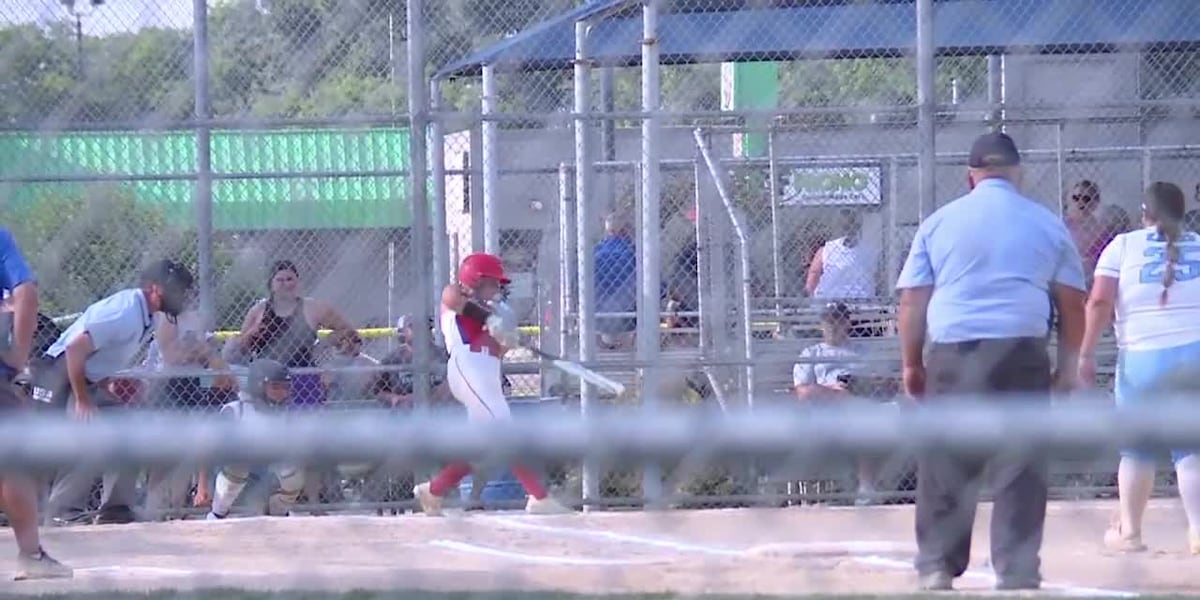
<point x="663" y="209"/>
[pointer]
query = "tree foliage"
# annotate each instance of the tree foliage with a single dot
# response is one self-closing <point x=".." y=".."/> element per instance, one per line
<point x="85" y="243"/>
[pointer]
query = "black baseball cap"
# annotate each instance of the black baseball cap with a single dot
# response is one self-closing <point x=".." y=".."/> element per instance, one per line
<point x="994" y="150"/>
<point x="169" y="273"/>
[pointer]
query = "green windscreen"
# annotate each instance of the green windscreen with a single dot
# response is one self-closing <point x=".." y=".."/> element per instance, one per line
<point x="287" y="179"/>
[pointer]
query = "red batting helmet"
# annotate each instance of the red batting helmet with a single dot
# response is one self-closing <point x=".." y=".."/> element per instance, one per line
<point x="479" y="265"/>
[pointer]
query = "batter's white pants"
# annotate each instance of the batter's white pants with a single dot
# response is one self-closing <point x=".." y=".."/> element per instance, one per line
<point x="474" y="380"/>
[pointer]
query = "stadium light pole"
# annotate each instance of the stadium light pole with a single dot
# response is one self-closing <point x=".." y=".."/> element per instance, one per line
<point x="79" y="10"/>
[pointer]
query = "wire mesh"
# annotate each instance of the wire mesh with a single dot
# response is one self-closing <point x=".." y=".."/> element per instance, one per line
<point x="777" y="252"/>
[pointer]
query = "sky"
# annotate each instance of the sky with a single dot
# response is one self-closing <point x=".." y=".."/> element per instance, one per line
<point x="114" y="16"/>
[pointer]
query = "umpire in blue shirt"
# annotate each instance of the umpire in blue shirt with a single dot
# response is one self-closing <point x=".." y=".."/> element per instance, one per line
<point x="76" y="370"/>
<point x="977" y="281"/>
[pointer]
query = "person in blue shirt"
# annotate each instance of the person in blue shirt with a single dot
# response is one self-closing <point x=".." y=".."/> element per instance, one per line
<point x="982" y="294"/>
<point x="19" y="491"/>
<point x="79" y="370"/>
<point x="616" y="282"/>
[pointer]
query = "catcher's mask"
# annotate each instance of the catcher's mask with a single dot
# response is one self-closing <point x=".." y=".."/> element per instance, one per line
<point x="269" y="380"/>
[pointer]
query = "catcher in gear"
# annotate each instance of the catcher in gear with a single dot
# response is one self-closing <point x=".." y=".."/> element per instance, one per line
<point x="268" y="390"/>
<point x="478" y="327"/>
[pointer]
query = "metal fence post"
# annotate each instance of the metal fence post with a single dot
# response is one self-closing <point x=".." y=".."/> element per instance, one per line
<point x="491" y="167"/>
<point x="995" y="91"/>
<point x="742" y="233"/>
<point x="648" y="343"/>
<point x="417" y="185"/>
<point x="437" y="165"/>
<point x="926" y="109"/>
<point x="1060" y="160"/>
<point x="585" y="307"/>
<point x="566" y="256"/>
<point x="204" y="180"/>
<point x="773" y="188"/>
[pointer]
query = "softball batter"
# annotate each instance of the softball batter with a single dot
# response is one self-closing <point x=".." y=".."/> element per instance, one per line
<point x="478" y="327"/>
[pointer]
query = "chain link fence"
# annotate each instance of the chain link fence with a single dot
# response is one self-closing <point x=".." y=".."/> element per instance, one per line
<point x="769" y="164"/>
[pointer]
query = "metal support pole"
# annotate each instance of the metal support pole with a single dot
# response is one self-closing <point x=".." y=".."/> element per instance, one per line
<point x="204" y="179"/>
<point x="742" y="232"/>
<point x="586" y="306"/>
<point x="893" y="255"/>
<point x="703" y="289"/>
<point x="566" y="256"/>
<point x="773" y="173"/>
<point x="995" y="91"/>
<point x="650" y="294"/>
<point x="608" y="135"/>
<point x="437" y="165"/>
<point x="1147" y="168"/>
<point x="608" y="138"/>
<point x="491" y="166"/>
<point x="1060" y="159"/>
<point x="926" y="109"/>
<point x="418" y="111"/>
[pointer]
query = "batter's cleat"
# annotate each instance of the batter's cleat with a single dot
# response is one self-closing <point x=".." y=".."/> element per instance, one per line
<point x="41" y="566"/>
<point x="1117" y="541"/>
<point x="936" y="582"/>
<point x="546" y="506"/>
<point x="431" y="505"/>
<point x="212" y="516"/>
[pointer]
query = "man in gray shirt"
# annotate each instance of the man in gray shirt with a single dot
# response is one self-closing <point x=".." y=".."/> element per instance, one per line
<point x="983" y="294"/>
<point x="80" y="366"/>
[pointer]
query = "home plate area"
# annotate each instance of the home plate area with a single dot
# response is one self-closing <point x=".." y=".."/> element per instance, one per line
<point x="788" y="551"/>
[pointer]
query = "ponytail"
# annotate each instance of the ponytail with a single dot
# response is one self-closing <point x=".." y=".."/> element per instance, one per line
<point x="1170" y="231"/>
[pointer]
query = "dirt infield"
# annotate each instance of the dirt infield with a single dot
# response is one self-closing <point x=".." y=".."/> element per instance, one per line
<point x="793" y="551"/>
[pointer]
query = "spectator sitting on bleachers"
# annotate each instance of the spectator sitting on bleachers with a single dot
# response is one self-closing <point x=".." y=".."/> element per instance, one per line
<point x="831" y="382"/>
<point x="616" y="282"/>
<point x="342" y="383"/>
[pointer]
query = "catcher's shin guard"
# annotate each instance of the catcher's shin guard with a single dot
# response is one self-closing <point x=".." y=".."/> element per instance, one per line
<point x="229" y="485"/>
<point x="291" y="485"/>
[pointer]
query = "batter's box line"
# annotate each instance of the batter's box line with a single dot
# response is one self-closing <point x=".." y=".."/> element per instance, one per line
<point x="850" y="547"/>
<point x="537" y="559"/>
<point x="1068" y="589"/>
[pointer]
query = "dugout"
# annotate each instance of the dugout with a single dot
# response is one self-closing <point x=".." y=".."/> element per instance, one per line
<point x="1124" y="123"/>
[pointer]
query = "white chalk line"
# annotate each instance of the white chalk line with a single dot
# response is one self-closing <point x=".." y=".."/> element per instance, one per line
<point x="892" y="563"/>
<point x="616" y="537"/>
<point x="533" y="558"/>
<point x="134" y="571"/>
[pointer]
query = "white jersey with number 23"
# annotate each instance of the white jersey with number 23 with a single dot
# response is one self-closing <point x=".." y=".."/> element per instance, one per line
<point x="1137" y="260"/>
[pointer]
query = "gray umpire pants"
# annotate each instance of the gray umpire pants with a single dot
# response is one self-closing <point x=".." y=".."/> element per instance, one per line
<point x="72" y="488"/>
<point x="948" y="485"/>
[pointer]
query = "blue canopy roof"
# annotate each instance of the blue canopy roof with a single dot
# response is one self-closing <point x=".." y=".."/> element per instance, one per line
<point x="797" y="29"/>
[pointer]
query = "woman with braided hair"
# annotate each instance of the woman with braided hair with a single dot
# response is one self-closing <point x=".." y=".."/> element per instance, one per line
<point x="1147" y="284"/>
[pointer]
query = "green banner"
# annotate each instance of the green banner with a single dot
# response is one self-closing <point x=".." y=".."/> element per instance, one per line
<point x="750" y="86"/>
<point x="254" y="200"/>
